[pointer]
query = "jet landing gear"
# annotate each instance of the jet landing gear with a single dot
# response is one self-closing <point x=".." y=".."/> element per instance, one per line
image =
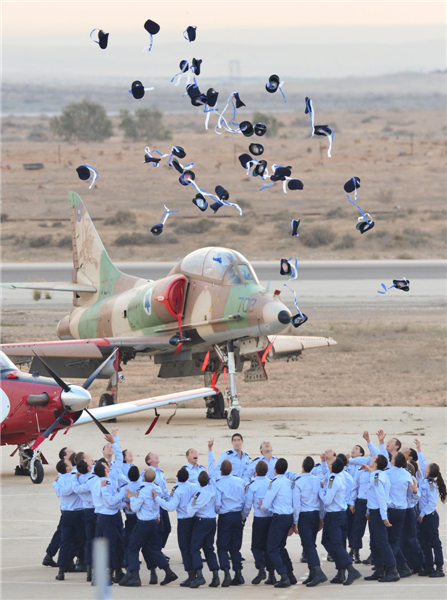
<point x="30" y="464"/>
<point x="233" y="417"/>
<point x="216" y="404"/>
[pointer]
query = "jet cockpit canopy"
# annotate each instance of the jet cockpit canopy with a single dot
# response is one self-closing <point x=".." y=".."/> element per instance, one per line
<point x="224" y="266"/>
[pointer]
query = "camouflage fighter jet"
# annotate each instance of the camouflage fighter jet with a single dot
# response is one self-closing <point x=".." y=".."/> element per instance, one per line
<point x="208" y="316"/>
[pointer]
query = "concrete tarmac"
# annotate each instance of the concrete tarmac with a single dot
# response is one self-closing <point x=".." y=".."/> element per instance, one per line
<point x="30" y="512"/>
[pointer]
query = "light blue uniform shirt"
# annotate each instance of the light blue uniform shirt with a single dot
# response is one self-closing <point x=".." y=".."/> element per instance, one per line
<point x="82" y="487"/>
<point x="255" y="491"/>
<point x="107" y="500"/>
<point x="239" y="463"/>
<point x="306" y="495"/>
<point x="230" y="494"/>
<point x="144" y="505"/>
<point x="250" y="471"/>
<point x="379" y="493"/>
<point x="400" y="480"/>
<point x="279" y="496"/>
<point x="202" y="504"/>
<point x="429" y="497"/>
<point x="360" y="488"/>
<point x="413" y="497"/>
<point x="349" y="481"/>
<point x="116" y="474"/>
<point x="68" y="497"/>
<point x="181" y="495"/>
<point x="133" y="486"/>
<point x="194" y="471"/>
<point x="160" y="480"/>
<point x="333" y="495"/>
<point x="125" y="468"/>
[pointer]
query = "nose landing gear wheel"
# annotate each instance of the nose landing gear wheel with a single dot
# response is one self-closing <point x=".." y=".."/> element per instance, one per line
<point x="233" y="419"/>
<point x="107" y="400"/>
<point x="36" y="473"/>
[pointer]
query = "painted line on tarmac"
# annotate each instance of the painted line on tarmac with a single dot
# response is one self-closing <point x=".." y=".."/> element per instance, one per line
<point x="43" y="537"/>
<point x="20" y="495"/>
<point x="20" y="567"/>
<point x="31" y="521"/>
<point x="291" y="589"/>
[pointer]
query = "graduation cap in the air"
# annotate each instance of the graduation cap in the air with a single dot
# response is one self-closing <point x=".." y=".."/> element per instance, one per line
<point x="157" y="229"/>
<point x="402" y="284"/>
<point x="295" y="223"/>
<point x="138" y="90"/>
<point x="239" y="103"/>
<point x="310" y="111"/>
<point x="246" y="128"/>
<point x="186" y="176"/>
<point x="152" y="28"/>
<point x="196" y="96"/>
<point x="274" y="84"/>
<point x="195" y="66"/>
<point x="256" y="149"/>
<point x="299" y="319"/>
<point x="365" y="223"/>
<point x="86" y="172"/>
<point x="211" y="97"/>
<point x="151" y="159"/>
<point x="200" y="201"/>
<point x="352" y="185"/>
<point x="259" y="169"/>
<point x="295" y="184"/>
<point x="221" y="192"/>
<point x="260" y="129"/>
<point x="325" y="131"/>
<point x="286" y="268"/>
<point x="190" y="33"/>
<point x="103" y="38"/>
<point x="244" y="159"/>
<point x="178" y="151"/>
<point x="281" y="173"/>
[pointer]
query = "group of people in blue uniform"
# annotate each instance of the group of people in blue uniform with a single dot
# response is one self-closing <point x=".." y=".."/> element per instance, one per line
<point x="392" y="491"/>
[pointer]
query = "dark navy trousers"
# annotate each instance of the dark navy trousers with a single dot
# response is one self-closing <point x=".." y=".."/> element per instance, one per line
<point x="107" y="525"/>
<point x="229" y="539"/>
<point x="203" y="534"/>
<point x="276" y="543"/>
<point x="72" y="530"/>
<point x="184" y="536"/>
<point x="164" y="528"/>
<point x="259" y="535"/>
<point x="430" y="542"/>
<point x="90" y="526"/>
<point x="142" y="538"/>
<point x="396" y="516"/>
<point x="131" y="521"/>
<point x="358" y="524"/>
<point x="381" y="551"/>
<point x="308" y="524"/>
<point x="409" y="542"/>
<point x="55" y="543"/>
<point x="349" y="525"/>
<point x="334" y="538"/>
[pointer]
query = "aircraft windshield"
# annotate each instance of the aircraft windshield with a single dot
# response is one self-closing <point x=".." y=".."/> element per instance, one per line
<point x="6" y="364"/>
<point x="220" y="264"/>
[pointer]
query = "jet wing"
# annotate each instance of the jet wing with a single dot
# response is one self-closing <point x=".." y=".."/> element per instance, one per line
<point x="54" y="286"/>
<point x="285" y="346"/>
<point x="126" y="408"/>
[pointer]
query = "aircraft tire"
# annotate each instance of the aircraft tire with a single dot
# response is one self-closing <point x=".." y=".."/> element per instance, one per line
<point x="233" y="419"/>
<point x="37" y="475"/>
<point x="107" y="400"/>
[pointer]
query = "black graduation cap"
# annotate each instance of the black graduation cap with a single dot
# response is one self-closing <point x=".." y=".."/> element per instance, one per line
<point x="260" y="129"/>
<point x="211" y="97"/>
<point x="322" y="130"/>
<point x="256" y="149"/>
<point x="221" y="192"/>
<point x="239" y="102"/>
<point x="184" y="66"/>
<point x="215" y="207"/>
<point x="151" y="159"/>
<point x="295" y="184"/>
<point x="352" y="184"/>
<point x="259" y="169"/>
<point x="103" y="39"/>
<point x="177" y="166"/>
<point x="281" y="173"/>
<point x="178" y="152"/>
<point x="137" y="90"/>
<point x="306" y="112"/>
<point x="246" y="128"/>
<point x="272" y="84"/>
<point x="196" y="62"/>
<point x="152" y="27"/>
<point x="83" y="172"/>
<point x="186" y="176"/>
<point x="157" y="229"/>
<point x="298" y="320"/>
<point x="244" y="159"/>
<point x="200" y="202"/>
<point x="197" y="98"/>
<point x="402" y="284"/>
<point x="295" y="223"/>
<point x="363" y="226"/>
<point x="191" y="33"/>
<point x="286" y="267"/>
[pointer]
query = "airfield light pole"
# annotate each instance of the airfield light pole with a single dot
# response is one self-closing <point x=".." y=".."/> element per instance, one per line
<point x="100" y="569"/>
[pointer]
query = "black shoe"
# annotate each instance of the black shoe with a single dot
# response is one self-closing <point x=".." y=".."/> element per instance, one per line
<point x="80" y="567"/>
<point x="61" y="575"/>
<point x="187" y="582"/>
<point x="340" y="577"/>
<point x="292" y="578"/>
<point x="357" y="559"/>
<point x="271" y="579"/>
<point x="353" y="574"/>
<point x="329" y="558"/>
<point x="237" y="579"/>
<point x="48" y="561"/>
<point x="308" y="578"/>
<point x="317" y="577"/>
<point x="284" y="582"/>
<point x="169" y="576"/>
<point x="227" y="577"/>
<point x="367" y="561"/>
<point x="89" y="572"/>
<point x="426" y="571"/>
<point x="404" y="571"/>
<point x="215" y="582"/>
<point x="70" y="568"/>
<point x="118" y="575"/>
<point x="303" y="558"/>
<point x="351" y="553"/>
<point x="438" y="573"/>
<point x="376" y="575"/>
<point x="154" y="579"/>
<point x="198" y="580"/>
<point x="391" y="575"/>
<point x="260" y="576"/>
<point x="132" y="581"/>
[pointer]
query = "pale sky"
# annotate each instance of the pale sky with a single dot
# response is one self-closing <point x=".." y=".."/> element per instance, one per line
<point x="53" y="18"/>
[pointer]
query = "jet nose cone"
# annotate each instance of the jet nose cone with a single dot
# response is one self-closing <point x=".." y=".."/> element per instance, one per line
<point x="284" y="317"/>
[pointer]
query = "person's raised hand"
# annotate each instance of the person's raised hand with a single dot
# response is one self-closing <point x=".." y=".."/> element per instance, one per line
<point x="154" y="493"/>
<point x="417" y="443"/>
<point x="381" y="435"/>
<point x="366" y="468"/>
<point x="210" y="444"/>
<point x="323" y="456"/>
<point x="114" y="431"/>
<point x="366" y="437"/>
<point x="109" y="438"/>
<point x="103" y="483"/>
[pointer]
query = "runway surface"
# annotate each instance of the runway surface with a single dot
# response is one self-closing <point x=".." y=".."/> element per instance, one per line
<point x="319" y="283"/>
<point x="31" y="512"/>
